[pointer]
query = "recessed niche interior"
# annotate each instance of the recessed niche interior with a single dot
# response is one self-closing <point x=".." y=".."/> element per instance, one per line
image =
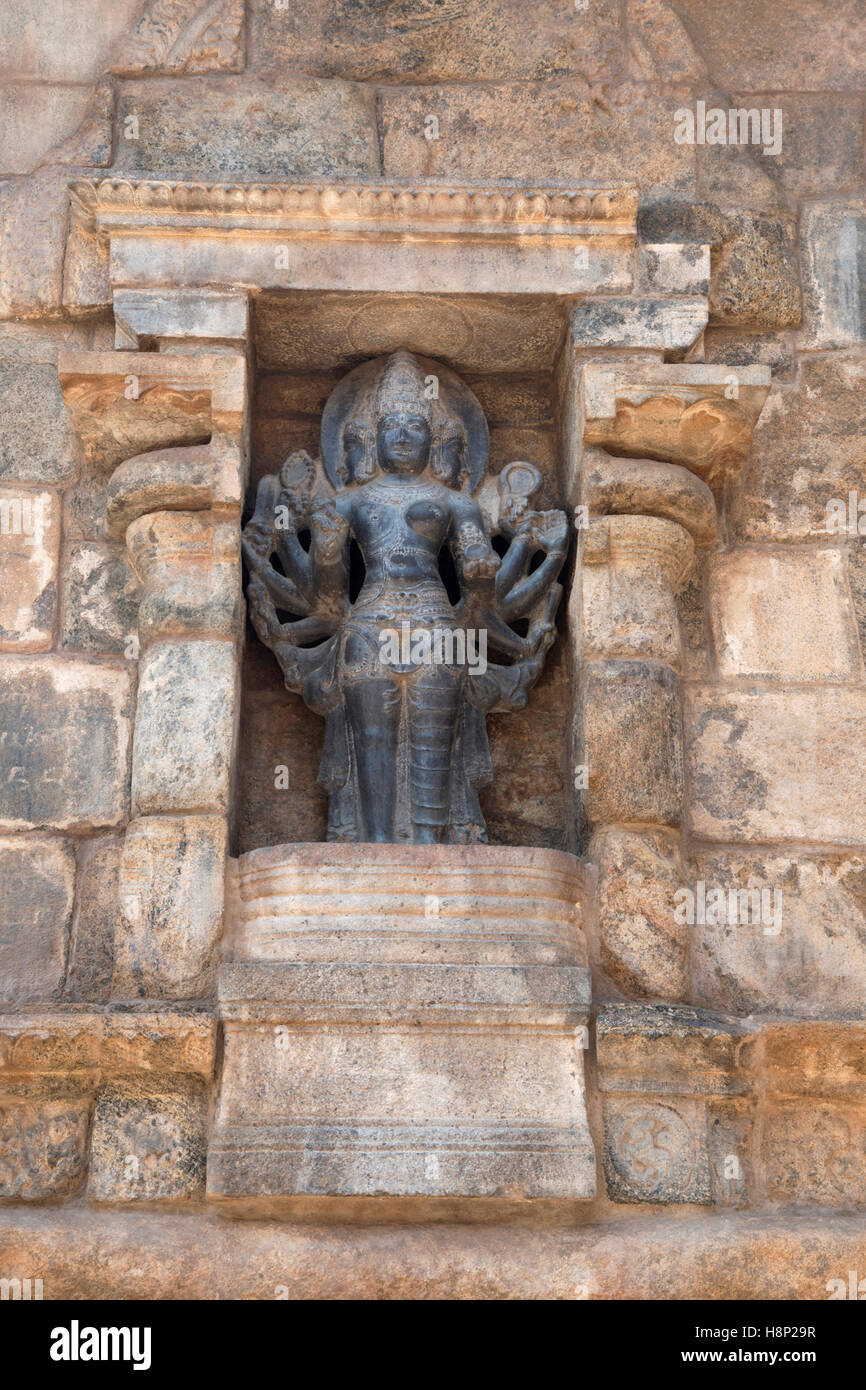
<point x="278" y="800"/>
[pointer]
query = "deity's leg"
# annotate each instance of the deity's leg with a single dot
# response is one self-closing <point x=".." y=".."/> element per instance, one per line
<point x="433" y="703"/>
<point x="373" y="707"/>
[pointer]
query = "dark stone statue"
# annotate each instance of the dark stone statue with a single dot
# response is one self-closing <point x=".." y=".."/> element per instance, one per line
<point x="374" y="580"/>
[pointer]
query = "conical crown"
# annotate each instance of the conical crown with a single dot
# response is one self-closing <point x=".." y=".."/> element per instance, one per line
<point x="401" y="388"/>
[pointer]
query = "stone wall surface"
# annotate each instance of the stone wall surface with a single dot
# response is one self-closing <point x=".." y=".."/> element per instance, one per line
<point x="697" y="737"/>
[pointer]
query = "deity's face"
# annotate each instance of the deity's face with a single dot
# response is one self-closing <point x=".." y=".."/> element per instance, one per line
<point x="403" y="442"/>
<point x="354" y="453"/>
<point x="452" y="459"/>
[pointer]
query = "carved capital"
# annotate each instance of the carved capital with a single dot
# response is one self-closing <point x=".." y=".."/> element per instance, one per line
<point x="698" y="417"/>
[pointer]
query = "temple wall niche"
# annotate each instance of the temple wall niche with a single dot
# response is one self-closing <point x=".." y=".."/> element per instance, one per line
<point x="726" y="1065"/>
<point x="528" y="802"/>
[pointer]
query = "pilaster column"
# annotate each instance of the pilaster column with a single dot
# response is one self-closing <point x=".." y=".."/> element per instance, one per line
<point x="173" y="426"/>
<point x="652" y="440"/>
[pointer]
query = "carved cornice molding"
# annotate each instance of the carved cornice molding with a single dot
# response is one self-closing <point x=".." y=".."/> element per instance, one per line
<point x="609" y="210"/>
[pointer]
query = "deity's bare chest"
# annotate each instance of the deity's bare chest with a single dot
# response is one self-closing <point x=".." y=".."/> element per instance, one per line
<point x="402" y="515"/>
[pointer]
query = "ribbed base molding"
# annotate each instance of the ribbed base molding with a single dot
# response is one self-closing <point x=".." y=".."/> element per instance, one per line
<point x="430" y="1047"/>
<point x="535" y="1161"/>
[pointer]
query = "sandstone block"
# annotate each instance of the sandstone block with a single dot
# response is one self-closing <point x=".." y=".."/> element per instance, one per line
<point x="632" y="569"/>
<point x="693" y="627"/>
<point x="170" y="916"/>
<point x="491" y="38"/>
<point x="802" y="952"/>
<point x="736" y="347"/>
<point x="204" y="316"/>
<point x="184" y="728"/>
<point x="816" y="1059"/>
<point x="100" y="599"/>
<point x="36" y="444"/>
<point x="37" y="886"/>
<point x="857" y="583"/>
<point x="43" y="1142"/>
<point x="756" y="277"/>
<point x="91" y="947"/>
<point x="668" y="269"/>
<point x="677" y="1110"/>
<point x="783" y="616"/>
<point x="731" y="1149"/>
<point x="32" y="241"/>
<point x="240" y="128"/>
<point x="63" y="42"/>
<point x="394" y="1099"/>
<point x="779" y="45"/>
<point x="33" y="119"/>
<point x="149" y="1140"/>
<point x="671" y="324"/>
<point x="655" y="1047"/>
<point x="643" y="947"/>
<point x="190" y="565"/>
<point x="821" y="144"/>
<point x="656" y="1150"/>
<point x="172" y="1038"/>
<point x="63" y="759"/>
<point x="46" y="1045"/>
<point x="776" y="764"/>
<point x="833" y="239"/>
<point x="533" y="131"/>
<point x="808" y="450"/>
<point x="813" y="1152"/>
<point x="631" y="742"/>
<point x="84" y="509"/>
<point x="29" y="552"/>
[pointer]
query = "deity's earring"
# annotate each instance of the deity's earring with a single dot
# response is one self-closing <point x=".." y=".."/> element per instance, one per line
<point x="367" y="465"/>
<point x="433" y="462"/>
<point x="438" y="465"/>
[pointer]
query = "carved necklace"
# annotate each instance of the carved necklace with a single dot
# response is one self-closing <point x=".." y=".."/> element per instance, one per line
<point x="397" y="492"/>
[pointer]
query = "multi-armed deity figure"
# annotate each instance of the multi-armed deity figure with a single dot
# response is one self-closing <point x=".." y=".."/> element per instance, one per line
<point x="404" y="453"/>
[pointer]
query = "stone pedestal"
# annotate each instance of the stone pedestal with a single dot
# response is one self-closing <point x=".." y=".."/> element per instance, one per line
<point x="403" y="1022"/>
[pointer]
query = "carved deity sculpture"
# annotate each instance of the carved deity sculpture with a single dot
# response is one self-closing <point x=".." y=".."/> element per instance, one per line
<point x="397" y="661"/>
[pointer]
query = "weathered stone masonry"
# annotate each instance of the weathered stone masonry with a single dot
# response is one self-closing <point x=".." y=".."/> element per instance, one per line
<point x="210" y="214"/>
